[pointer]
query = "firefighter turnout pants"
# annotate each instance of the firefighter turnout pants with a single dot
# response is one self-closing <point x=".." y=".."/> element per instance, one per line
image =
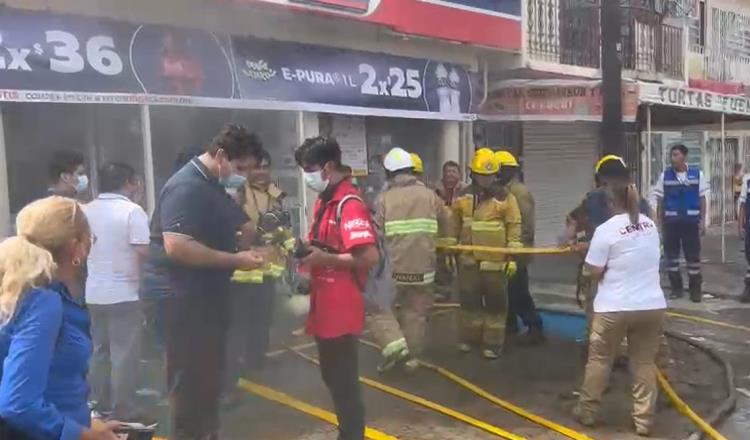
<point x="484" y="305"/>
<point x="413" y="304"/>
<point x="643" y="330"/>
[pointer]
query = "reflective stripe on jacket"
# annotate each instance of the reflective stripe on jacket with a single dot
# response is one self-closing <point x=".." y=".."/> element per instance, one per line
<point x="410" y="215"/>
<point x="256" y="202"/>
<point x="494" y="222"/>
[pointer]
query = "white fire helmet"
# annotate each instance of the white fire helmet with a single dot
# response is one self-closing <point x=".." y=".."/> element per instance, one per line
<point x="397" y="159"/>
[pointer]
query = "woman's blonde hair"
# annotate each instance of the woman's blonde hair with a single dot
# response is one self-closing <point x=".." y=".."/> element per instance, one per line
<point x="27" y="260"/>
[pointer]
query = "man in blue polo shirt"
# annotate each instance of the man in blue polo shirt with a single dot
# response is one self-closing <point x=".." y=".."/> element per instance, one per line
<point x="195" y="233"/>
<point x="681" y="197"/>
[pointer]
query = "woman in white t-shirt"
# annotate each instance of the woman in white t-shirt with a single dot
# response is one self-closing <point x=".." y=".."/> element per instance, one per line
<point x="624" y="258"/>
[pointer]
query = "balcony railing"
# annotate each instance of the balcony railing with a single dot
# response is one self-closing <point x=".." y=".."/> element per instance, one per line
<point x="569" y="32"/>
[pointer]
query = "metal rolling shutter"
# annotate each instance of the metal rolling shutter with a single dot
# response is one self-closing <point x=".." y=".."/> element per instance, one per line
<point x="558" y="168"/>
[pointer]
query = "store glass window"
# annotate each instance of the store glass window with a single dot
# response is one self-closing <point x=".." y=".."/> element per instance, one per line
<point x="178" y="133"/>
<point x="33" y="132"/>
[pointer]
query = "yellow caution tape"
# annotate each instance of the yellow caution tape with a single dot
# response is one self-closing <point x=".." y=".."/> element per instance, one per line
<point x="429" y="404"/>
<point x="708" y="321"/>
<point x="682" y="407"/>
<point x="508" y="250"/>
<point x="497" y="401"/>
<point x="285" y="399"/>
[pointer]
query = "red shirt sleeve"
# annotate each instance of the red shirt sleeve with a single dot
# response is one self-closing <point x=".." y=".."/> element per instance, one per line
<point x="356" y="226"/>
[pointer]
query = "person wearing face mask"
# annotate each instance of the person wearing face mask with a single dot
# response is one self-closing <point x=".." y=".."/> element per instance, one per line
<point x="341" y="248"/>
<point x="253" y="292"/>
<point x="520" y="302"/>
<point x="44" y="327"/>
<point x="67" y="175"/>
<point x="487" y="216"/>
<point x="114" y="268"/>
<point x="196" y="232"/>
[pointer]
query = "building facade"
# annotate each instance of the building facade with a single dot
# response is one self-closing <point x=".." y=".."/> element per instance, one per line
<point x="141" y="81"/>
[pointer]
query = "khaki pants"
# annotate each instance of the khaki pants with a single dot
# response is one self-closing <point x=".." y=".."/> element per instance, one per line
<point x="385" y="328"/>
<point x="413" y="304"/>
<point x="484" y="306"/>
<point x="588" y="292"/>
<point x="643" y="330"/>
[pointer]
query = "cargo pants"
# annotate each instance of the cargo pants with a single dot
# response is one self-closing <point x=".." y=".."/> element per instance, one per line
<point x="643" y="330"/>
<point x="587" y="290"/>
<point x="484" y="306"/>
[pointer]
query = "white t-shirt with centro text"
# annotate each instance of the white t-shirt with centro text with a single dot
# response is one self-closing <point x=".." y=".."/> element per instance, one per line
<point x="114" y="265"/>
<point x="630" y="253"/>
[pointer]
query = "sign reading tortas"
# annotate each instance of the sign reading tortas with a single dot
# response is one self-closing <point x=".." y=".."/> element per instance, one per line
<point x="694" y="99"/>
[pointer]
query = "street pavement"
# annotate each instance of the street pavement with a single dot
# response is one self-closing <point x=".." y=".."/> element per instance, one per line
<point x="553" y="282"/>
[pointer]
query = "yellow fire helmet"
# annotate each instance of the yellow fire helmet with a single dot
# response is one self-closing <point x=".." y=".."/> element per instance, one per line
<point x="484" y="162"/>
<point x="418" y="166"/>
<point x="505" y="159"/>
<point x="607" y="158"/>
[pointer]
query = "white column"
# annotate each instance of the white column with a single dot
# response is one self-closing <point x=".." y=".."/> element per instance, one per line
<point x="308" y="126"/>
<point x="649" y="150"/>
<point x="723" y="191"/>
<point x="91" y="150"/>
<point x="5" y="223"/>
<point x="148" y="159"/>
<point x="450" y="145"/>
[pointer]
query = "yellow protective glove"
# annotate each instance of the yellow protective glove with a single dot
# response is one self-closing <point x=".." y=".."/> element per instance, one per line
<point x="510" y="269"/>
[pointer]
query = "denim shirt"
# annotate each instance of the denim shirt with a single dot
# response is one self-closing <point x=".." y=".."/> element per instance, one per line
<point x="45" y="350"/>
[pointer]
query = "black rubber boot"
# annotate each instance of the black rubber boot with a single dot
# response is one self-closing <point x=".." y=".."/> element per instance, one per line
<point x="745" y="298"/>
<point x="696" y="288"/>
<point x="675" y="282"/>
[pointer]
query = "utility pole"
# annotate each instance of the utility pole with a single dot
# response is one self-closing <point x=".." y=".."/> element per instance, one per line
<point x="612" y="128"/>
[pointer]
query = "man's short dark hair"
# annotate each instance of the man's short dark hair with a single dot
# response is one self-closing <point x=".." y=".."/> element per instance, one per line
<point x="114" y="176"/>
<point x="453" y="164"/>
<point x="63" y="162"/>
<point x="237" y="142"/>
<point x="265" y="157"/>
<point x="681" y="148"/>
<point x="318" y="151"/>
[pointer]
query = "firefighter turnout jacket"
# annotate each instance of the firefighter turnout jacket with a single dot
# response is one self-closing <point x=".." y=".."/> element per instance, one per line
<point x="486" y="218"/>
<point x="410" y="215"/>
<point x="257" y="202"/>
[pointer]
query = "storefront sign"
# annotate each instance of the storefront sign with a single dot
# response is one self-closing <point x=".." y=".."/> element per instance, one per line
<point x="694" y="99"/>
<point x="559" y="100"/>
<point x="298" y="72"/>
<point x="54" y="58"/>
<point x="491" y="23"/>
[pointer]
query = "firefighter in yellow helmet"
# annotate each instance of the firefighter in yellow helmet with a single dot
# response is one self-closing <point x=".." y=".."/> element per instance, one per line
<point x="486" y="216"/>
<point x="409" y="214"/>
<point x="520" y="302"/>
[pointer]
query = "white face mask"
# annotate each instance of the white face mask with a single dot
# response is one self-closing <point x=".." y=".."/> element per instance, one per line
<point x="315" y="181"/>
<point x="82" y="184"/>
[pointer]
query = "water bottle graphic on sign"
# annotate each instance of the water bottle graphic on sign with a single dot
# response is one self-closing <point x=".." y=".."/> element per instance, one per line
<point x="443" y="89"/>
<point x="454" y="81"/>
<point x="448" y="89"/>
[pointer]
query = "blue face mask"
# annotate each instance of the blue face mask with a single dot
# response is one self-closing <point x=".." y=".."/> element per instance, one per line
<point x="233" y="181"/>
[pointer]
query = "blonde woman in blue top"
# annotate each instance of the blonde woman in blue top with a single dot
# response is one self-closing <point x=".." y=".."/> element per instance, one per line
<point x="44" y="328"/>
